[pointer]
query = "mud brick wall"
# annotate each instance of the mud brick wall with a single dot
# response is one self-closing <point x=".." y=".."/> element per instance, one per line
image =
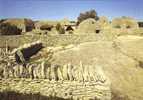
<point x="63" y="89"/>
<point x="15" y="41"/>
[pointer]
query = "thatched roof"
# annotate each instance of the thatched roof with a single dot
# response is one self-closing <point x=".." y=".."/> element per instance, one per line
<point x="17" y="22"/>
<point x="46" y="27"/>
<point x="38" y="24"/>
<point x="63" y="22"/>
<point x="124" y="22"/>
<point x="20" y="23"/>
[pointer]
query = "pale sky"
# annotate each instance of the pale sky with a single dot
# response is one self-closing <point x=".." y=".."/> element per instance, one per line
<point x="59" y="9"/>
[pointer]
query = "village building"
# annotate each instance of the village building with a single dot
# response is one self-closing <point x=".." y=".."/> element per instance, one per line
<point x="50" y="25"/>
<point x="88" y="26"/>
<point x="124" y="23"/>
<point x="25" y="25"/>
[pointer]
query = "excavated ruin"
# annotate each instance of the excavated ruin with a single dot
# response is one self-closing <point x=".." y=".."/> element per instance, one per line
<point x="85" y="66"/>
<point x="26" y="51"/>
<point x="50" y="79"/>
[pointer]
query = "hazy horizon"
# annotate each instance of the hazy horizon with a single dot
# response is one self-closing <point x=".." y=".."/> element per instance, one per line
<point x="59" y="9"/>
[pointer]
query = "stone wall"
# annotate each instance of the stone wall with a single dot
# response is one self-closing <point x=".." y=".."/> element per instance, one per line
<point x="15" y="41"/>
<point x="69" y="90"/>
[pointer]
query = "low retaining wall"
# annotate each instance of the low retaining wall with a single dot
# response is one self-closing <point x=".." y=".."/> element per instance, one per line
<point x="69" y="90"/>
<point x="15" y="41"/>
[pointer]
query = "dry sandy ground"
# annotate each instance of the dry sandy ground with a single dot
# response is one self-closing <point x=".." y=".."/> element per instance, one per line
<point x="120" y="61"/>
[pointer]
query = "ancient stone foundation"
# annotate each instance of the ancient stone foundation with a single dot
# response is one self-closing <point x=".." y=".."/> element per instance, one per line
<point x="68" y="82"/>
<point x="69" y="90"/>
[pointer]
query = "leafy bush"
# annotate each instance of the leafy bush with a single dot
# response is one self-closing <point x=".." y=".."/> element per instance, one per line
<point x="58" y="26"/>
<point x="117" y="26"/>
<point x="86" y="15"/>
<point x="60" y="29"/>
<point x="7" y="29"/>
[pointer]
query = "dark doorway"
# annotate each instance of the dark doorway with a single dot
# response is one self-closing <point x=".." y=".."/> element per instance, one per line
<point x="69" y="28"/>
<point x="97" y="31"/>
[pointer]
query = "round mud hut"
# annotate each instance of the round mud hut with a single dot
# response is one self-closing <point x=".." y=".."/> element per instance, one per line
<point x="88" y="26"/>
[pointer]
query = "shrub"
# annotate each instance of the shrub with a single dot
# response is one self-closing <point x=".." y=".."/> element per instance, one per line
<point x="7" y="29"/>
<point x="117" y="26"/>
<point x="141" y="64"/>
<point x="128" y="26"/>
<point x="86" y="15"/>
<point x="60" y="29"/>
<point x="58" y="26"/>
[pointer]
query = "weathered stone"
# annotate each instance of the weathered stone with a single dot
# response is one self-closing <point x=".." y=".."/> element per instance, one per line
<point x="63" y="89"/>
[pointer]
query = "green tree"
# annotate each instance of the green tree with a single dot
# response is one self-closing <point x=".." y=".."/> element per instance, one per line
<point x="86" y="15"/>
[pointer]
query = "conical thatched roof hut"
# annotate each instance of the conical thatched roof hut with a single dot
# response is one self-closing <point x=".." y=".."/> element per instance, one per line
<point x="24" y="24"/>
<point x="124" y="23"/>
